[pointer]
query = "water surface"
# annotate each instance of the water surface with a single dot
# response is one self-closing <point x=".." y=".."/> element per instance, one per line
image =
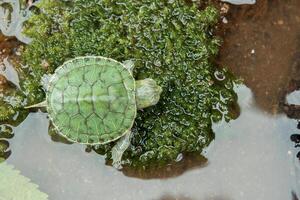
<point x="249" y="159"/>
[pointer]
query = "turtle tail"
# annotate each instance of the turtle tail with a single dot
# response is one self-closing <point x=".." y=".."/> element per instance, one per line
<point x="39" y="105"/>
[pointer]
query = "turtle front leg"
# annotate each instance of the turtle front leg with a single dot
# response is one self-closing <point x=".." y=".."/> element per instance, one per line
<point x="119" y="149"/>
<point x="129" y="65"/>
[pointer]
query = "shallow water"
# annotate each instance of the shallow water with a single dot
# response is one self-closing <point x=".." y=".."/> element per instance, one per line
<point x="248" y="160"/>
<point x="293" y="98"/>
<point x="251" y="157"/>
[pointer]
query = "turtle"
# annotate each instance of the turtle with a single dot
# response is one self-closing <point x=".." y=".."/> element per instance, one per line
<point x="94" y="100"/>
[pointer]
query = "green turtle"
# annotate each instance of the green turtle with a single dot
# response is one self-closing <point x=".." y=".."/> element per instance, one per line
<point x="94" y="100"/>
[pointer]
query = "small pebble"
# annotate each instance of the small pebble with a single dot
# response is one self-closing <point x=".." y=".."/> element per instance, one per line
<point x="224" y="20"/>
<point x="280" y="22"/>
<point x="45" y="64"/>
<point x="224" y="8"/>
<point x="88" y="149"/>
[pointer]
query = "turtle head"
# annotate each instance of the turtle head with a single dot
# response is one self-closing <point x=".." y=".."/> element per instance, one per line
<point x="147" y="93"/>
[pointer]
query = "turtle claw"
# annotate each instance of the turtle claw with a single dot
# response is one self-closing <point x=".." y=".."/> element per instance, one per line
<point x="117" y="165"/>
<point x="45" y="81"/>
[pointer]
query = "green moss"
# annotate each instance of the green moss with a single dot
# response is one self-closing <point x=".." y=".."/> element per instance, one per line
<point x="5" y="133"/>
<point x="169" y="40"/>
<point x="13" y="99"/>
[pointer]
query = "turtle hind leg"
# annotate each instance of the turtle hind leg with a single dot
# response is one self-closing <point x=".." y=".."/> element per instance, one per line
<point x="119" y="149"/>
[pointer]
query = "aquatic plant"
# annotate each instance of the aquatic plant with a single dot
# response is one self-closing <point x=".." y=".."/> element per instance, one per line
<point x="13" y="185"/>
<point x="13" y="98"/>
<point x="10" y="99"/>
<point x="5" y="134"/>
<point x="12" y="17"/>
<point x="169" y="41"/>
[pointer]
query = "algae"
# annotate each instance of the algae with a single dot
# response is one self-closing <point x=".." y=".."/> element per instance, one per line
<point x="171" y="41"/>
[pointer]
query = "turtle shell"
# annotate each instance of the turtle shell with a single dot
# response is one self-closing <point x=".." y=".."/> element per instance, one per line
<point x="91" y="100"/>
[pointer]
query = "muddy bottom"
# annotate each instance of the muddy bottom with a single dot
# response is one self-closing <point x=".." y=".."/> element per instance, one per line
<point x="262" y="46"/>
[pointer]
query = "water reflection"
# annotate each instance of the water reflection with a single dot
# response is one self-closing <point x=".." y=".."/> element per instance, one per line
<point x="191" y="161"/>
<point x="249" y="159"/>
<point x="294" y="195"/>
<point x="170" y="197"/>
<point x="182" y="197"/>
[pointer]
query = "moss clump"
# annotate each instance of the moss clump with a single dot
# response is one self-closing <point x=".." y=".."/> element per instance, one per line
<point x="5" y="134"/>
<point x="13" y="98"/>
<point x="170" y="41"/>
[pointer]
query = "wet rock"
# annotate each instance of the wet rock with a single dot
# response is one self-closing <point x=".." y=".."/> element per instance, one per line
<point x="292" y="111"/>
<point x="295" y="138"/>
